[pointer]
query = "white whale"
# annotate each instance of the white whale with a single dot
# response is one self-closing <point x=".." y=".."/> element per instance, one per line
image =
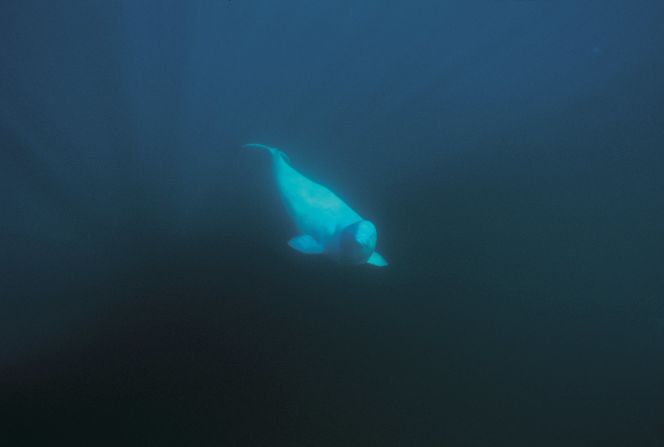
<point x="325" y="223"/>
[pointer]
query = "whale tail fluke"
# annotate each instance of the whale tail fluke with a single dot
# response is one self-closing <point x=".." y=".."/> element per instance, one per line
<point x="260" y="146"/>
<point x="271" y="150"/>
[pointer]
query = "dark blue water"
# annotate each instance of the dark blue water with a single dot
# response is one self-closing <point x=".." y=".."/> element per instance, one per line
<point x="510" y="154"/>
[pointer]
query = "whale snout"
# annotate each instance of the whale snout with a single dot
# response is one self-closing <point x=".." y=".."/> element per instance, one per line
<point x="365" y="234"/>
<point x="358" y="242"/>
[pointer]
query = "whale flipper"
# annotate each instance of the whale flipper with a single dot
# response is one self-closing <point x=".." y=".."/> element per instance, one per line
<point x="306" y="244"/>
<point x="377" y="260"/>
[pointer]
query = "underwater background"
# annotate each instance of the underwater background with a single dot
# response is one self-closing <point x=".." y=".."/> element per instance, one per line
<point x="510" y="154"/>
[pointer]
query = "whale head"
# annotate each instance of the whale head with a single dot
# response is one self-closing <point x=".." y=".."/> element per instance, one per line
<point x="357" y="242"/>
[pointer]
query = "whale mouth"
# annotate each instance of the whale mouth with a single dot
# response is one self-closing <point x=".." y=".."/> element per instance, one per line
<point x="357" y="242"/>
<point x="363" y="240"/>
<point x="365" y="235"/>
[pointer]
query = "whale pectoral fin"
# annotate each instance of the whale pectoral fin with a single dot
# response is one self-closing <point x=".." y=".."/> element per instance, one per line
<point x="306" y="244"/>
<point x="377" y="260"/>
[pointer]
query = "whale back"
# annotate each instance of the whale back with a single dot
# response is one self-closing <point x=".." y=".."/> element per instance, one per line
<point x="314" y="208"/>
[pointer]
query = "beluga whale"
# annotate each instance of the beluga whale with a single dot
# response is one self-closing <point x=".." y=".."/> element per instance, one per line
<point x="325" y="223"/>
